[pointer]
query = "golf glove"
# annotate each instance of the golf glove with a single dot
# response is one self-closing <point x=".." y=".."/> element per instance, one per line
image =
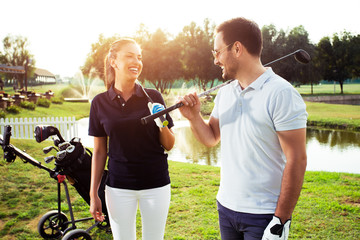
<point x="277" y="231"/>
<point x="154" y="108"/>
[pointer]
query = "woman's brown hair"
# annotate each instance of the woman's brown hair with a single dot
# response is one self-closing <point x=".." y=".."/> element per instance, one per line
<point x="114" y="49"/>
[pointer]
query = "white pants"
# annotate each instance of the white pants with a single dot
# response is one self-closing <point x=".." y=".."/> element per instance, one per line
<point x="122" y="207"/>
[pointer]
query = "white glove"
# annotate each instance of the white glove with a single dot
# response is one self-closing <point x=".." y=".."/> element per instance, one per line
<point x="277" y="231"/>
<point x="154" y="108"/>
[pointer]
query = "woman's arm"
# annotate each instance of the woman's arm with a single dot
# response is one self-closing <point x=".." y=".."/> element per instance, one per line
<point x="97" y="168"/>
<point x="167" y="138"/>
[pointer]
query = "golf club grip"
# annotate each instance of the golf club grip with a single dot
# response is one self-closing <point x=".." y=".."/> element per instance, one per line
<point x="146" y="119"/>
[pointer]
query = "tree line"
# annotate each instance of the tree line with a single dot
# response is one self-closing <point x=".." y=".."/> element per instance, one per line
<point x="188" y="56"/>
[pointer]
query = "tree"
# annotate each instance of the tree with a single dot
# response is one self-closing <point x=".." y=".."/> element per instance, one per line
<point x="16" y="53"/>
<point x="161" y="60"/>
<point x="94" y="64"/>
<point x="338" y="57"/>
<point x="198" y="62"/>
<point x="278" y="43"/>
<point x="354" y="54"/>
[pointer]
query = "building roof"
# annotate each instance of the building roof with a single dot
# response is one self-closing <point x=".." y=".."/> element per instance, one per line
<point x="11" y="69"/>
<point x="20" y="70"/>
<point x="43" y="73"/>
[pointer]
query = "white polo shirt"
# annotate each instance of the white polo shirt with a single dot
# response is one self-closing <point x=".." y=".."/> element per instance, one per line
<point x="252" y="161"/>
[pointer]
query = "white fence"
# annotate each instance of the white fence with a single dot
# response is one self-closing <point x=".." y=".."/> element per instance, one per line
<point x="23" y="128"/>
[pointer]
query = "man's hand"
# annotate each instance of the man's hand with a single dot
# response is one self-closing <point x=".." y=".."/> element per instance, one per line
<point x="276" y="230"/>
<point x="154" y="108"/>
<point x="191" y="106"/>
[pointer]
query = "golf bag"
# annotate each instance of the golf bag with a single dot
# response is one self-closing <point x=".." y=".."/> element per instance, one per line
<point x="74" y="161"/>
<point x="76" y="165"/>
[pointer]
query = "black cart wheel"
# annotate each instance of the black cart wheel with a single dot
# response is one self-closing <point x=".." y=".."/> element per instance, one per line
<point x="77" y="234"/>
<point x="52" y="224"/>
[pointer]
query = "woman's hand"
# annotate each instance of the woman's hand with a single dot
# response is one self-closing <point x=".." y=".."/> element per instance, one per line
<point x="96" y="209"/>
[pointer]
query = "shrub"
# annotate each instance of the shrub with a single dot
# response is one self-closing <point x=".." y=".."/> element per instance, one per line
<point x="206" y="106"/>
<point x="13" y="109"/>
<point x="56" y="100"/>
<point x="71" y="91"/>
<point x="2" y="114"/>
<point x="42" y="102"/>
<point x="28" y="105"/>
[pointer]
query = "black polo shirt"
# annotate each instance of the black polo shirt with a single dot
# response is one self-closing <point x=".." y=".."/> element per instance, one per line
<point x="136" y="158"/>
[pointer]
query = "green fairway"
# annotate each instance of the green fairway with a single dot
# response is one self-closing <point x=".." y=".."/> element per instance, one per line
<point x="329" y="89"/>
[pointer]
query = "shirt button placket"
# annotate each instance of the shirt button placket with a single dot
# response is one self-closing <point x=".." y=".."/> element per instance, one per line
<point x="122" y="104"/>
<point x="241" y="99"/>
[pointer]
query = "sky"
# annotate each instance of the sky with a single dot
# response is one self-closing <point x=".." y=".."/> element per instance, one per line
<point x="60" y="33"/>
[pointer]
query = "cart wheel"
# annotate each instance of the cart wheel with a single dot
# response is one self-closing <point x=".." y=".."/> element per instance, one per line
<point x="77" y="234"/>
<point x="52" y="224"/>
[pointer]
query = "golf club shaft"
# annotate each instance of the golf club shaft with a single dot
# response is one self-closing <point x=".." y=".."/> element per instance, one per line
<point x="161" y="117"/>
<point x="276" y="60"/>
<point x="146" y="119"/>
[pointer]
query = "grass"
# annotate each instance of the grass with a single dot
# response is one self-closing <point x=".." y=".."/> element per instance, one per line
<point x="67" y="109"/>
<point x="334" y="115"/>
<point x="328" y="208"/>
<point x="328" y="89"/>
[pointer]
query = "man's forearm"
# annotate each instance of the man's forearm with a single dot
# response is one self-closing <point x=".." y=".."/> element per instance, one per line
<point x="203" y="131"/>
<point x="292" y="182"/>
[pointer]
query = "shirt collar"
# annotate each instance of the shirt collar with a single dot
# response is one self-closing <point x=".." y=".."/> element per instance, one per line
<point x="260" y="81"/>
<point x="138" y="92"/>
<point x="257" y="84"/>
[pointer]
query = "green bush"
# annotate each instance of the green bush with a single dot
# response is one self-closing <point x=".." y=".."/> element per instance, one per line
<point x="2" y="114"/>
<point x="28" y="105"/>
<point x="71" y="91"/>
<point x="56" y="100"/>
<point x="207" y="104"/>
<point x="44" y="103"/>
<point x="13" y="109"/>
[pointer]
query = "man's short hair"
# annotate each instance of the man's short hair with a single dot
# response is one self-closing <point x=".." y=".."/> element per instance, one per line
<point x="245" y="31"/>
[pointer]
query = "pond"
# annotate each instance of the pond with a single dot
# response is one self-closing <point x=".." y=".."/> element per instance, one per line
<point x="327" y="150"/>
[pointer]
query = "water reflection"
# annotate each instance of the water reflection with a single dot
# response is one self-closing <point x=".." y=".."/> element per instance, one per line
<point x="188" y="149"/>
<point x="340" y="139"/>
<point x="328" y="150"/>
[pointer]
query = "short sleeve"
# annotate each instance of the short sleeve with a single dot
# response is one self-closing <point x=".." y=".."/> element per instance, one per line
<point x="289" y="110"/>
<point x="96" y="129"/>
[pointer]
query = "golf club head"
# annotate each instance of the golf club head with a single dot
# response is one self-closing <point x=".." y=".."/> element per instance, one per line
<point x="302" y="56"/>
<point x="46" y="150"/>
<point x="42" y="132"/>
<point x="60" y="155"/>
<point x="70" y="149"/>
<point x="64" y="145"/>
<point x="49" y="159"/>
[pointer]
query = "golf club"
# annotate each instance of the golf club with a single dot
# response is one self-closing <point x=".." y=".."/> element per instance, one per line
<point x="46" y="150"/>
<point x="49" y="159"/>
<point x="162" y="118"/>
<point x="300" y="55"/>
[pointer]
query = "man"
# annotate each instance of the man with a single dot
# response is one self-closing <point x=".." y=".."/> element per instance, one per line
<point x="261" y="122"/>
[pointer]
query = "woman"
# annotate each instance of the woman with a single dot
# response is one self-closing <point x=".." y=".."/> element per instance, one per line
<point x="138" y="170"/>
